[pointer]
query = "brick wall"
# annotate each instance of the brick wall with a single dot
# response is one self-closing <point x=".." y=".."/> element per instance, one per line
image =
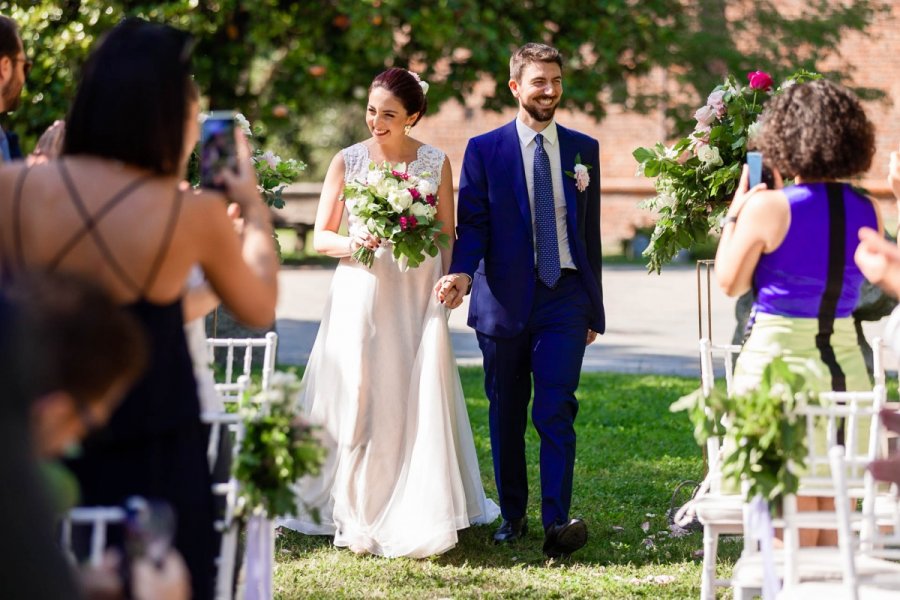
<point x="874" y="56"/>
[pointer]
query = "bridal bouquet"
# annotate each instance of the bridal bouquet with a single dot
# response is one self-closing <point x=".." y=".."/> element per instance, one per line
<point x="697" y="175"/>
<point x="399" y="208"/>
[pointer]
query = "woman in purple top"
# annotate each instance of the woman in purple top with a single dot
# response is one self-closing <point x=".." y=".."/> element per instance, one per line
<point x="795" y="245"/>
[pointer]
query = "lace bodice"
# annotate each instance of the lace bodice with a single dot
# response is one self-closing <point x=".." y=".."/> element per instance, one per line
<point x="428" y="160"/>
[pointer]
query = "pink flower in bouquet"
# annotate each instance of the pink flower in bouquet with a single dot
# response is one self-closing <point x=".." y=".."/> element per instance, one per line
<point x="408" y="223"/>
<point x="431" y="199"/>
<point x="760" y="80"/>
<point x="403" y="176"/>
<point x="414" y="193"/>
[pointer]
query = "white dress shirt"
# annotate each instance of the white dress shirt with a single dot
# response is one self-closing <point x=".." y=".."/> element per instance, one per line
<point x="551" y="147"/>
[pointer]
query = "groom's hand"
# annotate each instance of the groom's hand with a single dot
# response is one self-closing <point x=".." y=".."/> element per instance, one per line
<point x="591" y="336"/>
<point x="451" y="289"/>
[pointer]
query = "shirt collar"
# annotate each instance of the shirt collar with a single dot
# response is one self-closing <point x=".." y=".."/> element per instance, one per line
<point x="526" y="133"/>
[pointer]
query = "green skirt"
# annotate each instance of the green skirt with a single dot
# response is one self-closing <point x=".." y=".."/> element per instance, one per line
<point x="795" y="340"/>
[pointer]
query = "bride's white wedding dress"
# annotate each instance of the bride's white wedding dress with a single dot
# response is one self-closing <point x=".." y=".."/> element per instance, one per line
<point x="401" y="475"/>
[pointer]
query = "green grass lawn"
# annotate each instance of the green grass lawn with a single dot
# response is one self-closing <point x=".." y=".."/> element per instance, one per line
<point x="631" y="454"/>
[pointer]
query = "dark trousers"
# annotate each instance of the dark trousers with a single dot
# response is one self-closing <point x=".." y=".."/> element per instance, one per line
<point x="550" y="350"/>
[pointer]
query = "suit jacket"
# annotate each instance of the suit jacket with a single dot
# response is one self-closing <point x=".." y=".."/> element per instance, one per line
<point x="495" y="243"/>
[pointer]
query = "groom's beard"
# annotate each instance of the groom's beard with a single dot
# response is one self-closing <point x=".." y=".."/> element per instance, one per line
<point x="539" y="113"/>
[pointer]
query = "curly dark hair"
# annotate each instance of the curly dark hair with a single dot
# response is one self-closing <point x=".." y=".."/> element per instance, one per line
<point x="817" y="130"/>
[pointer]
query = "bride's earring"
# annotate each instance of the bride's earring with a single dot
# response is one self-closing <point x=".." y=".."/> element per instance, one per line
<point x="406" y="129"/>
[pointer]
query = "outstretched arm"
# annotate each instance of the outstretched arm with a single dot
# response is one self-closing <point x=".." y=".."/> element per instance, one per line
<point x="472" y="230"/>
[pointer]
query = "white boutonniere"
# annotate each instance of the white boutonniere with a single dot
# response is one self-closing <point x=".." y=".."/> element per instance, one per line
<point x="580" y="174"/>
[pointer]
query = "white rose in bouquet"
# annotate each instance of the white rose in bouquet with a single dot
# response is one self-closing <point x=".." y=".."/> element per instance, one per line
<point x="400" y="200"/>
<point x="423" y="212"/>
<point x="386" y="187"/>
<point x="426" y="187"/>
<point x="374" y="176"/>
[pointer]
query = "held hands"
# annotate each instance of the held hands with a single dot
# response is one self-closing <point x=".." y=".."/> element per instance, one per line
<point x="451" y="289"/>
<point x="360" y="238"/>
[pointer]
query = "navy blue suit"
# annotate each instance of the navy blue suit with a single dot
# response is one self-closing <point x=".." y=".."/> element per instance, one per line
<point x="525" y="329"/>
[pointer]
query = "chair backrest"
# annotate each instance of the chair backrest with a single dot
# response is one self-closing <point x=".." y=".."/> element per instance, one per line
<point x="231" y="348"/>
<point x="98" y="518"/>
<point x="845" y="423"/>
<point x="713" y="358"/>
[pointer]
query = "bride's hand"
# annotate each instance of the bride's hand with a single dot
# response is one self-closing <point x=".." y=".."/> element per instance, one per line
<point x="451" y="289"/>
<point x="363" y="239"/>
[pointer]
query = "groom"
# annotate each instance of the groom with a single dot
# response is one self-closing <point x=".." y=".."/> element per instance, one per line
<point x="528" y="248"/>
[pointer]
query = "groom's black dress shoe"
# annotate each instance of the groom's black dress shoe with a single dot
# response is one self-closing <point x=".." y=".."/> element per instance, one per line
<point x="511" y="531"/>
<point x="565" y="538"/>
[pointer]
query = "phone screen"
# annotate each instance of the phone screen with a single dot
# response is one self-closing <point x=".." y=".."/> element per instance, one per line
<point x="755" y="162"/>
<point x="217" y="148"/>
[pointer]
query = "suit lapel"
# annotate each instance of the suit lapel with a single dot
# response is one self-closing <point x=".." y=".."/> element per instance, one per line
<point x="567" y="152"/>
<point x="511" y="155"/>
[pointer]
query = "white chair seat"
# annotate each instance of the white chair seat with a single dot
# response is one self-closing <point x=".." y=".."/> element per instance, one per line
<point x="813" y="564"/>
<point x="722" y="511"/>
<point x="878" y="588"/>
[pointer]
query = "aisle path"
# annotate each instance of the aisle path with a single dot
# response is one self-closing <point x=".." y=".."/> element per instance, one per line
<point x="651" y="321"/>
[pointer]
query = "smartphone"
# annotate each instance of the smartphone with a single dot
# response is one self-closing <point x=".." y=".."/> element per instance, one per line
<point x="755" y="162"/>
<point x="217" y="148"/>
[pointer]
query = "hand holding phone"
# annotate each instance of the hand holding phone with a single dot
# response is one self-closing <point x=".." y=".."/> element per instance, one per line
<point x="755" y="163"/>
<point x="217" y="148"/>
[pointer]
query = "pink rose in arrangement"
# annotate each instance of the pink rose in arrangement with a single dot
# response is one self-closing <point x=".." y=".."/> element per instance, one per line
<point x="760" y="80"/>
<point x="716" y="101"/>
<point x="403" y="176"/>
<point x="705" y="115"/>
<point x="431" y="199"/>
<point x="409" y="222"/>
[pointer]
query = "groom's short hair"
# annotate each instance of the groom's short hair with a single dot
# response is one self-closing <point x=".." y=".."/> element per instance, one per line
<point x="530" y="53"/>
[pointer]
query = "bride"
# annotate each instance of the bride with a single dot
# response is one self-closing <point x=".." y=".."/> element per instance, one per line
<point x="401" y="475"/>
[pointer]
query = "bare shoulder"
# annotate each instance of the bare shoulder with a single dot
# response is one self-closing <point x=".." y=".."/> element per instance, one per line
<point x="767" y="204"/>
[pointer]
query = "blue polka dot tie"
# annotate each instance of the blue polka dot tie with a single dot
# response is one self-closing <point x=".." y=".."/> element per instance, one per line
<point x="545" y="217"/>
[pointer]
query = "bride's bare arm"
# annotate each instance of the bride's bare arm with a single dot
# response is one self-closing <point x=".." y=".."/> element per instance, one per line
<point x="326" y="239"/>
<point x="446" y="212"/>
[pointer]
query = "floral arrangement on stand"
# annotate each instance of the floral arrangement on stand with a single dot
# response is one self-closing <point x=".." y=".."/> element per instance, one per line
<point x="279" y="447"/>
<point x="696" y="176"/>
<point x="273" y="173"/>
<point x="765" y="440"/>
<point x="399" y="208"/>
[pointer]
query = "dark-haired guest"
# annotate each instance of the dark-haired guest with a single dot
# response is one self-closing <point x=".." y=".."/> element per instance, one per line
<point x="402" y="476"/>
<point x="71" y="353"/>
<point x="112" y="209"/>
<point x="795" y="245"/>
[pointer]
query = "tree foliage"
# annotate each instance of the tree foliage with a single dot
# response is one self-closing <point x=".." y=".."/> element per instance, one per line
<point x="280" y="62"/>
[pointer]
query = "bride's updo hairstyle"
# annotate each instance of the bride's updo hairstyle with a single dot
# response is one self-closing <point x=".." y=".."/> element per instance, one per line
<point x="406" y="87"/>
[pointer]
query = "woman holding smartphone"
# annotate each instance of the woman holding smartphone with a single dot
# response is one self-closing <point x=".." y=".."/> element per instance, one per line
<point x="795" y="245"/>
<point x="113" y="209"/>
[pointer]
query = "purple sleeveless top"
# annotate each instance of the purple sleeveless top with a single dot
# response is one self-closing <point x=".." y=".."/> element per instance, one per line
<point x="812" y="273"/>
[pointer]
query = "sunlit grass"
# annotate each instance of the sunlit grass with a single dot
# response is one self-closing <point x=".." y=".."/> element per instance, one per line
<point x="631" y="454"/>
